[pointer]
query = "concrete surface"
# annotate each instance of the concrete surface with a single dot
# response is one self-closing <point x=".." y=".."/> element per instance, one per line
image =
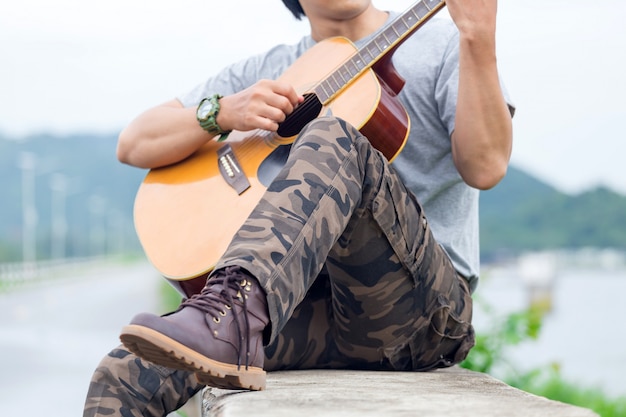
<point x="444" y="393"/>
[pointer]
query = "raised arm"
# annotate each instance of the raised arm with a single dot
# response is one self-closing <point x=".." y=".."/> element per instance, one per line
<point x="482" y="139"/>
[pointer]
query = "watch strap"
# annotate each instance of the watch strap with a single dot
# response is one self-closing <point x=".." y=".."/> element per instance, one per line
<point x="209" y="123"/>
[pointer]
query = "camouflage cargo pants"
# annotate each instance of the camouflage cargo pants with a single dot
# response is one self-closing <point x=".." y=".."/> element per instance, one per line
<point x="353" y="276"/>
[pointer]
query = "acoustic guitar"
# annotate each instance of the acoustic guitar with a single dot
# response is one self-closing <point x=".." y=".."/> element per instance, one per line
<point x="187" y="213"/>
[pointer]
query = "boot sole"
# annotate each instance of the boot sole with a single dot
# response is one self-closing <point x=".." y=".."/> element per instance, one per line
<point x="162" y="350"/>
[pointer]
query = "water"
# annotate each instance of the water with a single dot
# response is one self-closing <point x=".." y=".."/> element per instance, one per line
<point x="584" y="332"/>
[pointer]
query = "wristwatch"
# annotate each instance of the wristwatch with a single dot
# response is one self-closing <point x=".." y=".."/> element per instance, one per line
<point x="206" y="114"/>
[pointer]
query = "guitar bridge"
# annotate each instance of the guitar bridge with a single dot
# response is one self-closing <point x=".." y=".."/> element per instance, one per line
<point x="231" y="169"/>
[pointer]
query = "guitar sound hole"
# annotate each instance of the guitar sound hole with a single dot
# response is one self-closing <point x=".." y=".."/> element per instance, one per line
<point x="306" y="111"/>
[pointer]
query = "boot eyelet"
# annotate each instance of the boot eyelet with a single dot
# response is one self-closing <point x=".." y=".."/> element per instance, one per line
<point x="216" y="319"/>
<point x="223" y="313"/>
<point x="227" y="307"/>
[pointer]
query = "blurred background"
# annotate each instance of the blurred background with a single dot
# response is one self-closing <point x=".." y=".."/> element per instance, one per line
<point x="72" y="272"/>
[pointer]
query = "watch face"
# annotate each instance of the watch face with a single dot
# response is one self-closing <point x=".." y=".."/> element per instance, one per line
<point x="204" y="109"/>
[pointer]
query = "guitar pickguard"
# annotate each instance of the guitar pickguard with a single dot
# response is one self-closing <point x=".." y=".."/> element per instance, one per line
<point x="272" y="164"/>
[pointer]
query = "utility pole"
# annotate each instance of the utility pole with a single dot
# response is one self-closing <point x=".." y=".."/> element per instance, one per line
<point x="27" y="163"/>
<point x="58" y="186"/>
<point x="97" y="233"/>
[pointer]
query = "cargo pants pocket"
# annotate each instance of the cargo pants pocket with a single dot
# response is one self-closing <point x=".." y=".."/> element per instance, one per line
<point x="442" y="338"/>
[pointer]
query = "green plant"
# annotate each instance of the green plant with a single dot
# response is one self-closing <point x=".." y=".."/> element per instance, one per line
<point x="510" y="330"/>
<point x="490" y="356"/>
<point x="548" y="382"/>
<point x="169" y="298"/>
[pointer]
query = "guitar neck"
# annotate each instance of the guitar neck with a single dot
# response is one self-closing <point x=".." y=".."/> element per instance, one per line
<point x="382" y="44"/>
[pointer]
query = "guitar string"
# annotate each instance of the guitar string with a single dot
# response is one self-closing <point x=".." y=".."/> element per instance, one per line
<point x="247" y="146"/>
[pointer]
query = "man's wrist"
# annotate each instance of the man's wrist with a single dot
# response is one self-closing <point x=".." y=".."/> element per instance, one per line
<point x="206" y="114"/>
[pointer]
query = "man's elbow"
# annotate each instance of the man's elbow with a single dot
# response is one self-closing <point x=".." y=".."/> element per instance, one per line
<point x="487" y="176"/>
<point x="126" y="150"/>
<point x="122" y="151"/>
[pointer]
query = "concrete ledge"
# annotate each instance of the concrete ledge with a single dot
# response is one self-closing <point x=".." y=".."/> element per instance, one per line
<point x="443" y="393"/>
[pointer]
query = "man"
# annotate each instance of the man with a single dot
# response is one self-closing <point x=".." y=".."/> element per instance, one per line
<point x="347" y="261"/>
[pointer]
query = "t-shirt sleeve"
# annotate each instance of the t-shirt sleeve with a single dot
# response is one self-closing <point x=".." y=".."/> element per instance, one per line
<point x="447" y="85"/>
<point x="243" y="74"/>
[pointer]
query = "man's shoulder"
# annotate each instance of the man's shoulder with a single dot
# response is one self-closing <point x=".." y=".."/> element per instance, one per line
<point x="429" y="46"/>
<point x="290" y="49"/>
<point x="438" y="28"/>
<point x="441" y="24"/>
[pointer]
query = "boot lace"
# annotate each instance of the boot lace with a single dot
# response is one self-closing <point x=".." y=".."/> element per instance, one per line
<point x="212" y="300"/>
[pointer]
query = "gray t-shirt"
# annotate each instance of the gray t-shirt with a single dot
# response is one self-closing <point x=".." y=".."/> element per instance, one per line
<point x="428" y="60"/>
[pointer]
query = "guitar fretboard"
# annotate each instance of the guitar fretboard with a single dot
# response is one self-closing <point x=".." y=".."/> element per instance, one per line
<point x="391" y="36"/>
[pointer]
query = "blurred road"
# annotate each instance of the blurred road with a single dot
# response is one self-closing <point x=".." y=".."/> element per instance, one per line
<point x="53" y="335"/>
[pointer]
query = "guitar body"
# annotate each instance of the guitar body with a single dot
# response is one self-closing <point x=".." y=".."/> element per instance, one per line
<point x="186" y="214"/>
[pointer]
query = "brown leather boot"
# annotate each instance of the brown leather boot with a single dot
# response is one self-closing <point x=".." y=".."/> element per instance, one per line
<point x="218" y="334"/>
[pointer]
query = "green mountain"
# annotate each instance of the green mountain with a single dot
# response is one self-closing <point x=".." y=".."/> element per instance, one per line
<point x="523" y="213"/>
<point x="77" y="178"/>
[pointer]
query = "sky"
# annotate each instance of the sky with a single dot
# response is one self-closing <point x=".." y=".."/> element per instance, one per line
<point x="72" y="66"/>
